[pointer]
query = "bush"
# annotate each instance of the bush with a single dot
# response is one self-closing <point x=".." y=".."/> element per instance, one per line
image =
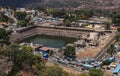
<point x="106" y="62"/>
<point x="95" y="72"/>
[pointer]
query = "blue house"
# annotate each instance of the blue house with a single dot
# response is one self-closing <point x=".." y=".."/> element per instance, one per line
<point x="45" y="52"/>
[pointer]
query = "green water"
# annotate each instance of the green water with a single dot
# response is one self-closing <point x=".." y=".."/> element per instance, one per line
<point x="50" y="41"/>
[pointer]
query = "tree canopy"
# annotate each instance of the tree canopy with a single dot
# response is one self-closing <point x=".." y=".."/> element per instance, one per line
<point x="23" y="58"/>
<point x="116" y="18"/>
<point x="22" y="23"/>
<point x="69" y="52"/>
<point x="20" y="15"/>
<point x="117" y="38"/>
<point x="111" y="50"/>
<point x="106" y="62"/>
<point x="95" y="72"/>
<point x="3" y="18"/>
<point x="3" y="35"/>
<point x="83" y="75"/>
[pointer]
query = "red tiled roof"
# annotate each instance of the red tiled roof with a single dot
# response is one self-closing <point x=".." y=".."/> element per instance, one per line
<point x="3" y="23"/>
<point x="44" y="48"/>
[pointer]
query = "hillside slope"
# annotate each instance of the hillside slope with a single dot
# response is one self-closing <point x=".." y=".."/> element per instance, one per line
<point x="89" y="4"/>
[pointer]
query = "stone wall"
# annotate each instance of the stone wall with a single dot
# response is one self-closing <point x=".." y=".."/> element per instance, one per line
<point x="23" y="35"/>
<point x="58" y="32"/>
<point x="55" y="31"/>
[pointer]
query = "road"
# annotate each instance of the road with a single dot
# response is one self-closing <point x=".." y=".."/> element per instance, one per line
<point x="103" y="52"/>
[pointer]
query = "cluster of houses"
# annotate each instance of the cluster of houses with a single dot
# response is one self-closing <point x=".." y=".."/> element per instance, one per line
<point x="37" y="17"/>
<point x="10" y="13"/>
<point x="44" y="51"/>
<point x="85" y="40"/>
<point x="90" y="39"/>
<point x="48" y="21"/>
<point x="89" y="24"/>
<point x="113" y="66"/>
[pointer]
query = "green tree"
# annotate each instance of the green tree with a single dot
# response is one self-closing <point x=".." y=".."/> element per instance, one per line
<point x="67" y="23"/>
<point x="3" y="18"/>
<point x="116" y="18"/>
<point x="111" y="50"/>
<point x="83" y="75"/>
<point x="59" y="13"/>
<point x="69" y="51"/>
<point x="20" y="15"/>
<point x="3" y="35"/>
<point x="117" y="38"/>
<point x="22" y="23"/>
<point x="95" y="72"/>
<point x="40" y="8"/>
<point x="23" y="58"/>
<point x="106" y="62"/>
<point x="85" y="14"/>
<point x="10" y="51"/>
<point x="118" y="29"/>
<point x="107" y="26"/>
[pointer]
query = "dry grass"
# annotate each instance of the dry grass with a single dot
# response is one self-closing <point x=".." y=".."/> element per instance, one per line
<point x="91" y="52"/>
<point x="69" y="70"/>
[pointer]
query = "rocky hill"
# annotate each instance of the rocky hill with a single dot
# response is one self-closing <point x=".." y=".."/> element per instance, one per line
<point x="89" y="4"/>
